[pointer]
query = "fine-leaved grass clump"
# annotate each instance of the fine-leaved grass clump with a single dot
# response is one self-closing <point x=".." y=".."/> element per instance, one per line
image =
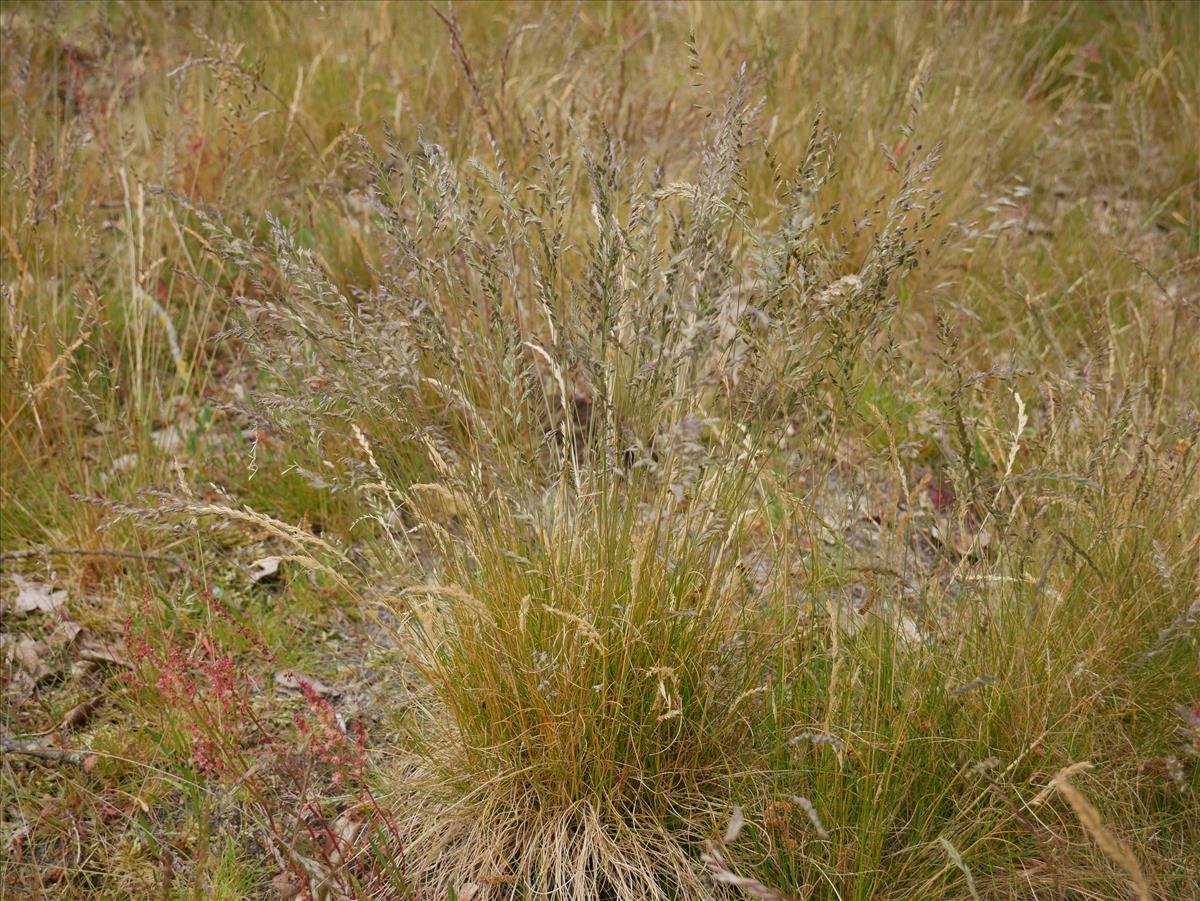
<point x="595" y="664"/>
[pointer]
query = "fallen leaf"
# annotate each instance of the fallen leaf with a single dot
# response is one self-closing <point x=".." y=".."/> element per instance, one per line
<point x="263" y="569"/>
<point x="292" y="680"/>
<point x="20" y="687"/>
<point x="77" y="715"/>
<point x="82" y="668"/>
<point x="33" y="596"/>
<point x="97" y="650"/>
<point x="25" y="667"/>
<point x="287" y="886"/>
<point x="64" y="633"/>
<point x="345" y="830"/>
<point x="28" y="654"/>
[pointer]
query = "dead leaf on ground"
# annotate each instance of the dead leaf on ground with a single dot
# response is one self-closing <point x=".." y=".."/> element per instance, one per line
<point x="345" y="830"/>
<point x="77" y="715"/>
<point x="287" y="885"/>
<point x="263" y="569"/>
<point x="64" y="633"/>
<point x="33" y="596"/>
<point x="961" y="539"/>
<point x="29" y="655"/>
<point x="27" y="668"/>
<point x="292" y="680"/>
<point x="98" y="650"/>
<point x="20" y="688"/>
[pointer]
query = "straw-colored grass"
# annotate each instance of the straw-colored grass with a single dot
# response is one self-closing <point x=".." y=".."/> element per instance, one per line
<point x="652" y="422"/>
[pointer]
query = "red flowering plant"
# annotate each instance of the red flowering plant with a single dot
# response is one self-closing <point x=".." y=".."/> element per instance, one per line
<point x="294" y="775"/>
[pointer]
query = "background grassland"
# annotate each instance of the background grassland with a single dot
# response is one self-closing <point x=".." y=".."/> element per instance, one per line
<point x="661" y="410"/>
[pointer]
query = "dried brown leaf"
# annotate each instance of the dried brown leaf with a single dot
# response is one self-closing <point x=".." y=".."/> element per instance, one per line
<point x="29" y="655"/>
<point x="294" y="680"/>
<point x="99" y="650"/>
<point x="78" y="715"/>
<point x="287" y="885"/>
<point x="34" y="596"/>
<point x="264" y="569"/>
<point x="63" y="634"/>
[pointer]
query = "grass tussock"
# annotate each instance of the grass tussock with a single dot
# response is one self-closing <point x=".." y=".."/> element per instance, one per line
<point x="611" y="451"/>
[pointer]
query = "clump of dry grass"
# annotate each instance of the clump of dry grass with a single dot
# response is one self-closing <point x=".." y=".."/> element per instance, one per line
<point x="598" y="686"/>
